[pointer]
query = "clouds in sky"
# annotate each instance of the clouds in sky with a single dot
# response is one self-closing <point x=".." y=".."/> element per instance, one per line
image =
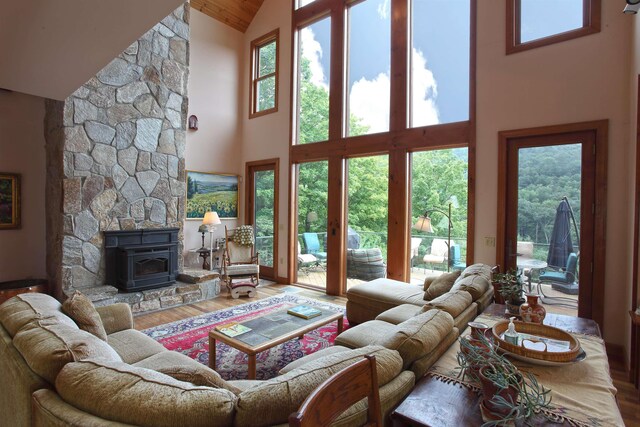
<point x="369" y="100"/>
<point x="384" y="8"/>
<point x="312" y="50"/>
<point x="424" y="92"/>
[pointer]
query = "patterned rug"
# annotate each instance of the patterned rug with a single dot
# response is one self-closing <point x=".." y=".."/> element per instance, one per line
<point x="190" y="337"/>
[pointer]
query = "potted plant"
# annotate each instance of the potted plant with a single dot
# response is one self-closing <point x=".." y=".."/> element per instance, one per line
<point x="509" y="397"/>
<point x="510" y="287"/>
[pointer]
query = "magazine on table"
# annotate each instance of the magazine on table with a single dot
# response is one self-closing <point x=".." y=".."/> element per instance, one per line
<point x="304" y="311"/>
<point x="232" y="329"/>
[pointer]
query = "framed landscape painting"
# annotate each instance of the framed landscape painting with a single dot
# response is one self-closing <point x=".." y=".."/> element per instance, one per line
<point x="9" y="201"/>
<point x="212" y="191"/>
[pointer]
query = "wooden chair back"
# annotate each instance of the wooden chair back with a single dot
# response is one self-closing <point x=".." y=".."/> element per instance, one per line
<point x="338" y="393"/>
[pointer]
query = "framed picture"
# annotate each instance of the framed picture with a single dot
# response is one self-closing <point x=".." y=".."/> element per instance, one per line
<point x="212" y="191"/>
<point x="9" y="201"/>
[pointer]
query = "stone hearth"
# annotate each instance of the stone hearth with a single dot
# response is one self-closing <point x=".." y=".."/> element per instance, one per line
<point x="115" y="160"/>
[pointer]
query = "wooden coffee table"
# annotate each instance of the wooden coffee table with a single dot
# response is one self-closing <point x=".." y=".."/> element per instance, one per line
<point x="268" y="331"/>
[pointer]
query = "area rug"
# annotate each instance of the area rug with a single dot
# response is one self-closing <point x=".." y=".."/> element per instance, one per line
<point x="190" y="337"/>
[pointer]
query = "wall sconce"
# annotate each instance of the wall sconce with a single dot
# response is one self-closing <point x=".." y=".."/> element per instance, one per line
<point x="193" y="122"/>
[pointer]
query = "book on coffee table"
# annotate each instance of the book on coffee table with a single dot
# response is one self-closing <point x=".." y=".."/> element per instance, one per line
<point x="304" y="311"/>
<point x="232" y="329"/>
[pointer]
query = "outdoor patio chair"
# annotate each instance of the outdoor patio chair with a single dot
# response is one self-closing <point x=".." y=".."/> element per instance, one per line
<point x="306" y="261"/>
<point x="563" y="280"/>
<point x="240" y="261"/>
<point x="456" y="262"/>
<point x="365" y="264"/>
<point x="312" y="245"/>
<point x="437" y="252"/>
<point x="415" y="246"/>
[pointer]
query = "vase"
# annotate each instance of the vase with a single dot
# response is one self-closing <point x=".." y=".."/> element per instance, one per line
<point x="533" y="311"/>
<point x="490" y="390"/>
<point x="497" y="296"/>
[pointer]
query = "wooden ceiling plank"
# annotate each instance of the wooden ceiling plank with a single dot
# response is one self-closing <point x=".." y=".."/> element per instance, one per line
<point x="236" y="14"/>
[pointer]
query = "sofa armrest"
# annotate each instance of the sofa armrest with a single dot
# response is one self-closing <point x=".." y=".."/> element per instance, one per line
<point x="116" y="317"/>
<point x="48" y="409"/>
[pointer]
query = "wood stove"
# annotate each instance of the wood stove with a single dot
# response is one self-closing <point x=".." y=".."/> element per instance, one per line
<point x="141" y="259"/>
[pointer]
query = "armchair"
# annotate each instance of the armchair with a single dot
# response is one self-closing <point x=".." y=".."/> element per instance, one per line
<point x="312" y="245"/>
<point x="239" y="261"/>
<point x="455" y="261"/>
<point x="563" y="280"/>
<point x="437" y="253"/>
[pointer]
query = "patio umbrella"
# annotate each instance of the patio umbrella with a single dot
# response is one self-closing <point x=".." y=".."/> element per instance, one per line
<point x="560" y="245"/>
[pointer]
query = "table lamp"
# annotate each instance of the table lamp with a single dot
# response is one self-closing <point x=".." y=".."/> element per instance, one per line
<point x="211" y="219"/>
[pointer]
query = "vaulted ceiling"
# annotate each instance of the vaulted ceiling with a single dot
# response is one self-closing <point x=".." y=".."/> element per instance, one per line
<point x="237" y="14"/>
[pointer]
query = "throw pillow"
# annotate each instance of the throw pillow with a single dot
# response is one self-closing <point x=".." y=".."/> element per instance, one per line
<point x="201" y="377"/>
<point x="243" y="235"/>
<point x="428" y="281"/>
<point x="82" y="311"/>
<point x="441" y="285"/>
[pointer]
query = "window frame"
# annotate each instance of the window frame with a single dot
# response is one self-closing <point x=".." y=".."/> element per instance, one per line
<point x="255" y="79"/>
<point x="398" y="142"/>
<point x="591" y="18"/>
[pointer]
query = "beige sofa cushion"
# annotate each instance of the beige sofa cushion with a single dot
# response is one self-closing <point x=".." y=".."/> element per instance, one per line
<point x="454" y="302"/>
<point x="419" y="335"/>
<point x="184" y="368"/>
<point x="274" y="400"/>
<point x="334" y="349"/>
<point x="134" y="346"/>
<point x="120" y="392"/>
<point x="81" y="310"/>
<point x="22" y="309"/>
<point x="477" y="270"/>
<point x="367" y="333"/>
<point x="47" y="346"/>
<point x="400" y="313"/>
<point x="440" y="285"/>
<point x="475" y="285"/>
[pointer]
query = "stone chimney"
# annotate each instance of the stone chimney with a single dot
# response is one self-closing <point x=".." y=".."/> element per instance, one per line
<point x="115" y="156"/>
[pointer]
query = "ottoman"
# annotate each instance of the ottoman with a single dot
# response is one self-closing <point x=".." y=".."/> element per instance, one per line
<point x="367" y="300"/>
<point x="242" y="288"/>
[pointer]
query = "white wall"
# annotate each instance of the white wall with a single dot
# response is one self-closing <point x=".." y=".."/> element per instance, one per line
<point x="23" y="251"/>
<point x="578" y="80"/>
<point x="216" y="96"/>
<point x="267" y="136"/>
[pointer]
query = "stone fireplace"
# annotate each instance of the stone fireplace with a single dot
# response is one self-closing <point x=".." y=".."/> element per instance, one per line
<point x="115" y="160"/>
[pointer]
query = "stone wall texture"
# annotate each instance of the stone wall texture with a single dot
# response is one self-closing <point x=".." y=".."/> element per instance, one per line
<point x="115" y="154"/>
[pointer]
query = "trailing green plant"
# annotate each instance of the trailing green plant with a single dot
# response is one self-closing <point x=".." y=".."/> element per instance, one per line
<point x="511" y="286"/>
<point x="531" y="398"/>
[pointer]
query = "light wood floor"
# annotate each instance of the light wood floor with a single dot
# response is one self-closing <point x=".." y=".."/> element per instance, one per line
<point x="628" y="399"/>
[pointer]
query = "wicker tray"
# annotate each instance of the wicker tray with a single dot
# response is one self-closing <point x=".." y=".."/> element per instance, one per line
<point x="548" y="354"/>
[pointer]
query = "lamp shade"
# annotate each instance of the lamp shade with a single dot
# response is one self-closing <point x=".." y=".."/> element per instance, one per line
<point x="211" y="218"/>
<point x="423" y="224"/>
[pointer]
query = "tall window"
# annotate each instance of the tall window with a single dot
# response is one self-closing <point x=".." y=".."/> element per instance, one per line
<point x="535" y="23"/>
<point x="264" y="74"/>
<point x="439" y="61"/>
<point x="314" y="55"/>
<point x="375" y="80"/>
<point x="369" y="59"/>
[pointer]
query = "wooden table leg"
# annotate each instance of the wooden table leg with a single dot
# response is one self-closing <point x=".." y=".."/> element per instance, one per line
<point x="212" y="353"/>
<point x="252" y="366"/>
<point x="340" y="324"/>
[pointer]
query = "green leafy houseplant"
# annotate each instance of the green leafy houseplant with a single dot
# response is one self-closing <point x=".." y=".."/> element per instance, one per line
<point x="509" y="397"/>
<point x="510" y="286"/>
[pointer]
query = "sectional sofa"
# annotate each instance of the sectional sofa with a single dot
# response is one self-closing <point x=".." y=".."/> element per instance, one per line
<point x="57" y="374"/>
